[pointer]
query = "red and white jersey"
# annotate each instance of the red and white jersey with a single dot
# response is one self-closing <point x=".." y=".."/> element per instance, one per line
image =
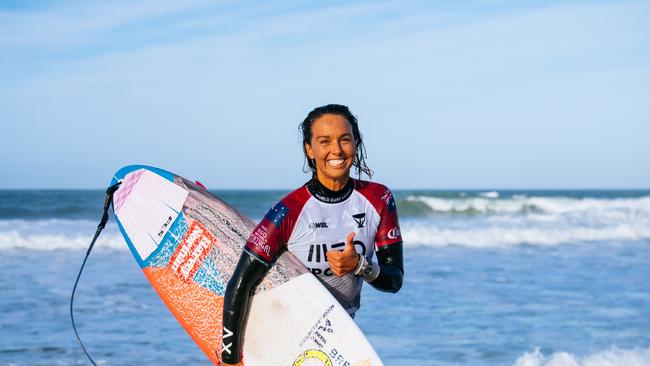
<point x="312" y="220"/>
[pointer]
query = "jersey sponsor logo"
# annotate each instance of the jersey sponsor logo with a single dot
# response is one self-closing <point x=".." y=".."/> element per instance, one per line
<point x="394" y="233"/>
<point x="318" y="254"/>
<point x="319" y="271"/>
<point x="277" y="213"/>
<point x="356" y="242"/>
<point x="191" y="251"/>
<point x="318" y="225"/>
<point x="258" y="239"/>
<point x="360" y="219"/>
<point x="317" y="249"/>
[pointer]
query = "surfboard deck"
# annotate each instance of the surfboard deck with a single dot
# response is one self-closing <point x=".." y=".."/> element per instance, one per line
<point x="188" y="241"/>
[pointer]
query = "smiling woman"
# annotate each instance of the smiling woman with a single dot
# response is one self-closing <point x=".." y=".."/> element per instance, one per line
<point x="333" y="225"/>
<point x="331" y="150"/>
<point x="336" y="123"/>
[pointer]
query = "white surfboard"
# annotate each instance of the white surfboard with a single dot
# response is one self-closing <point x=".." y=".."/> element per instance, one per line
<point x="187" y="242"/>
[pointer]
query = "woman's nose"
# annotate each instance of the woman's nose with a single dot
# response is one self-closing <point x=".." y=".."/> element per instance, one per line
<point x="336" y="148"/>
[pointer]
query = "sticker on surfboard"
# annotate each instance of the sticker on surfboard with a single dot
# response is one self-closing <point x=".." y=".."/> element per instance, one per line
<point x="147" y="205"/>
<point x="192" y="251"/>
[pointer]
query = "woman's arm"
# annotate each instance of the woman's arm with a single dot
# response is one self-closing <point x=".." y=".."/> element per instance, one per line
<point x="391" y="268"/>
<point x="248" y="272"/>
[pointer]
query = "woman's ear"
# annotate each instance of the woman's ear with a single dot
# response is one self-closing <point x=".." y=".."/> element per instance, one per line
<point x="310" y="152"/>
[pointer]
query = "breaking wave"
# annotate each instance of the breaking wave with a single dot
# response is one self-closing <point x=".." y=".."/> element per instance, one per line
<point x="611" y="357"/>
<point x="480" y="237"/>
<point x="501" y="222"/>
<point x="489" y="203"/>
<point x="56" y="234"/>
<point x="487" y="219"/>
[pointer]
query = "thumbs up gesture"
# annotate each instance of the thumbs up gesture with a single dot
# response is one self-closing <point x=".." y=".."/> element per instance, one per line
<point x="344" y="261"/>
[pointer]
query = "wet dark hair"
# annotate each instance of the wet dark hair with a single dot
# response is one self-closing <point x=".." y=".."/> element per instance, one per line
<point x="359" y="162"/>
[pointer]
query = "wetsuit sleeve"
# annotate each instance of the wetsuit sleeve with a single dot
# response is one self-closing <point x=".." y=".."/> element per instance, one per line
<point x="391" y="272"/>
<point x="261" y="249"/>
<point x="270" y="235"/>
<point x="389" y="247"/>
<point x="388" y="231"/>
<point x="248" y="272"/>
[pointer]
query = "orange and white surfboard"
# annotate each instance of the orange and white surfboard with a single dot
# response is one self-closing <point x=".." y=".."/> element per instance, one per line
<point x="187" y="242"/>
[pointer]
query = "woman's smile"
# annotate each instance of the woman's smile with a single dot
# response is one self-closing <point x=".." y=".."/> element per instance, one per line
<point x="336" y="163"/>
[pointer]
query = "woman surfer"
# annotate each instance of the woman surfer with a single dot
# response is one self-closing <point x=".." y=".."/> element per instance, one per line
<point x="356" y="216"/>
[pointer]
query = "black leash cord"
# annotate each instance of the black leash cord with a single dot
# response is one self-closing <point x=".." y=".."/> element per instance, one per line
<point x="100" y="227"/>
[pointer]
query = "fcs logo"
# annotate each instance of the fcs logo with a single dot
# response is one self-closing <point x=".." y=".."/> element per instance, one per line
<point x="360" y="219"/>
<point x="164" y="226"/>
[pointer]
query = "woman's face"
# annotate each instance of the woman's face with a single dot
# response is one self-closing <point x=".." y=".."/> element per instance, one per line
<point x="333" y="149"/>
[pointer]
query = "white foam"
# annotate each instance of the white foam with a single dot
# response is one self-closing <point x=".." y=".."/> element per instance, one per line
<point x="611" y="357"/>
<point x="51" y="225"/>
<point x="491" y="194"/>
<point x="17" y="240"/>
<point x="528" y="220"/>
<point x="490" y="236"/>
<point x="56" y="234"/>
<point x="487" y="203"/>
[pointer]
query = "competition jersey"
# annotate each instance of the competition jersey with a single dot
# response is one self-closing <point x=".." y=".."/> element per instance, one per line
<point x="313" y="220"/>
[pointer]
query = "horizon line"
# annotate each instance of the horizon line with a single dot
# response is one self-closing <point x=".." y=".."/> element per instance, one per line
<point x="392" y="189"/>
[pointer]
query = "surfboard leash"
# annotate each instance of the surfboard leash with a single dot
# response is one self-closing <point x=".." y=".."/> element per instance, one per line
<point x="100" y="227"/>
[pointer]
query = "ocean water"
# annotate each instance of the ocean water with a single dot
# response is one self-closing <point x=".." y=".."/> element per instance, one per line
<point x="522" y="278"/>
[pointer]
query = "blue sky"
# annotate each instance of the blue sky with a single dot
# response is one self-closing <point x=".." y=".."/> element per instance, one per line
<point x="474" y="94"/>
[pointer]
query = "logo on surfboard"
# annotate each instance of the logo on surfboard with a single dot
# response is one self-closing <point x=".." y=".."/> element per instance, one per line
<point x="191" y="251"/>
<point x="312" y="354"/>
